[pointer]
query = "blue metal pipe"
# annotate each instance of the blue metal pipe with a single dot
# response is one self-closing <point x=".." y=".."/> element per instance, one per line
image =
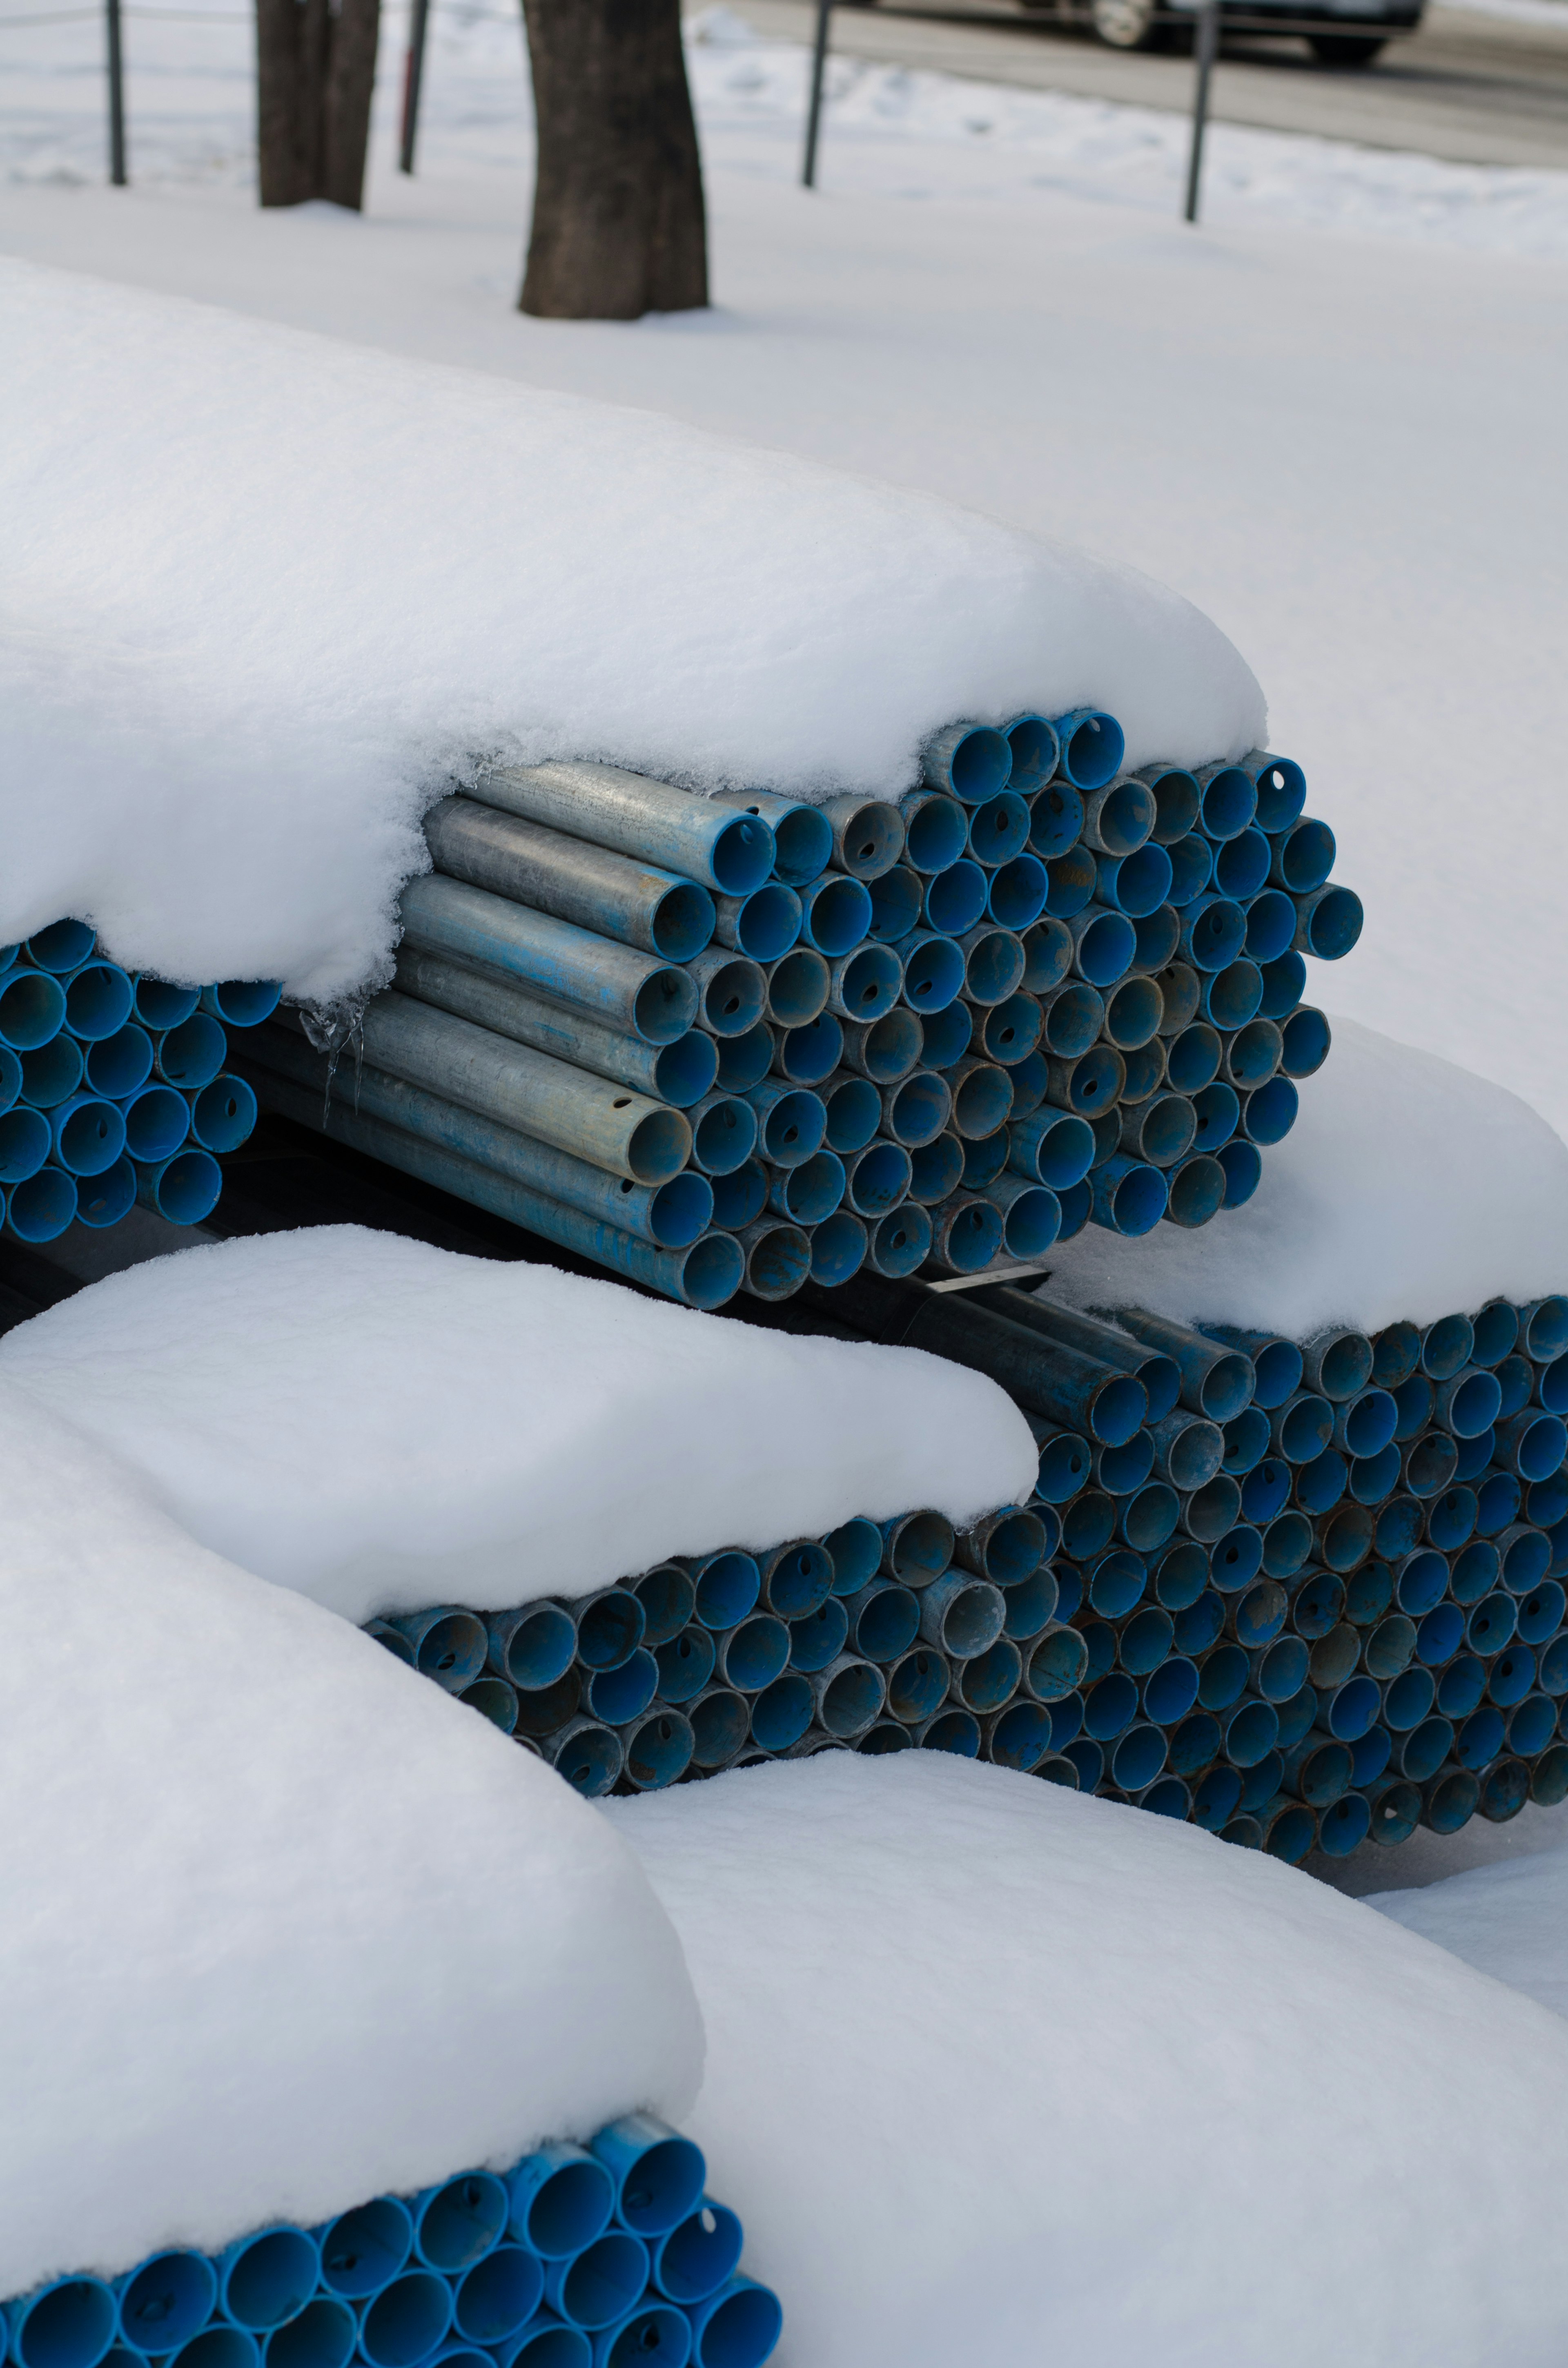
<point x="1145" y="1073"/>
<point x="900" y="1242"/>
<point x="1091" y="746"/>
<point x="956" y="899"/>
<point x="1243" y="1165"/>
<point x="998" y="829"/>
<point x="1017" y="892"/>
<point x="1133" y="1012"/>
<point x="679" y="1073"/>
<point x="865" y="985"/>
<point x="730" y="991"/>
<point x="1180" y="994"/>
<point x="32" y="1010"/>
<point x="51" y="1074"/>
<point x="1302" y="857"/>
<point x="1328" y="923"/>
<point x="1215" y="1381"/>
<point x="915" y="1109"/>
<point x="1192" y="868"/>
<point x="1136" y="884"/>
<point x="631" y="991"/>
<point x="184" y="1189"/>
<point x="1103" y="944"/>
<point x="702" y="1276"/>
<point x="633" y="902"/>
<point x="1230" y="998"/>
<point x="39" y="1209"/>
<point x="88" y="1135"/>
<point x="589" y="1755"/>
<point x="791" y="1121"/>
<point x="970" y="761"/>
<point x="966" y="1234"/>
<point x="165" y="2300"/>
<point x="1543" y="1328"/>
<point x="936" y="829"/>
<point x="222" y="1115"/>
<point x="1241" y="866"/>
<point x="809" y="1192"/>
<point x="1073" y="880"/>
<point x="993" y="963"/>
<point x="1304" y="1045"/>
<point x="1284" y="983"/>
<point x="1036" y="753"/>
<point x="106" y="1198"/>
<point x="763" y="926"/>
<point x="601" y="2286"/>
<point x="802" y="836"/>
<point x="736" y="2328"/>
<point x="1118" y="818"/>
<point x="1193" y="1057"/>
<point x="778" y="1257"/>
<point x="1213" y="929"/>
<point x="854" y="1110"/>
<point x="809" y="1055"/>
<point x="1267" y="1115"/>
<point x="835" y="913"/>
<point x="867" y="836"/>
<point x="723" y="1133"/>
<point x="561" y="2201"/>
<point x="1056" y="820"/>
<point x="1158" y="934"/>
<point x="265" y="2280"/>
<point x="877" y="1180"/>
<point x="161" y="1007"/>
<point x="646" y="819"/>
<point x="982" y="1095"/>
<point x="898" y="900"/>
<point x="797" y="990"/>
<point x="99" y="998"/>
<point x="936" y="1169"/>
<point x="1031" y="1215"/>
<point x="1230" y="801"/>
<point x="1052" y="1147"/>
<point x="1176" y="799"/>
<point x="1071" y="1020"/>
<point x="1010" y="1031"/>
<point x="1129" y="1196"/>
<point x="63" y="946"/>
<point x="1089" y="1085"/>
<point x="1271" y="925"/>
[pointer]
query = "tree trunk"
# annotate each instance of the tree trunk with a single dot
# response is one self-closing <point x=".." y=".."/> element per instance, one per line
<point x="618" y="224"/>
<point x="315" y="72"/>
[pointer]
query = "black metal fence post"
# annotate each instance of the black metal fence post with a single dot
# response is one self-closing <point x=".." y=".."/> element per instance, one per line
<point x="413" y="75"/>
<point x="1206" y="47"/>
<point x="814" y="118"/>
<point x="116" y="99"/>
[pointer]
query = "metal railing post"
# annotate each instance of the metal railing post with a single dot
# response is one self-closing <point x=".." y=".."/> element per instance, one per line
<point x="814" y="118"/>
<point x="413" y="71"/>
<point x="1206" y="48"/>
<point x="116" y="99"/>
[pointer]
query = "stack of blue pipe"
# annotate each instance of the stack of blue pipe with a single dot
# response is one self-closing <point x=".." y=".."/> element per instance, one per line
<point x="609" y="2256"/>
<point x="1299" y="1595"/>
<point x="114" y="1087"/>
<point x="747" y="1042"/>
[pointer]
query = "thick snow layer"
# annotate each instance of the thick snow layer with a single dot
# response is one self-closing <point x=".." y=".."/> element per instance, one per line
<point x="248" y="630"/>
<point x="1509" y="1919"/>
<point x="286" y="1926"/>
<point x="999" y="2073"/>
<point x="1406" y="1187"/>
<point x="385" y="1426"/>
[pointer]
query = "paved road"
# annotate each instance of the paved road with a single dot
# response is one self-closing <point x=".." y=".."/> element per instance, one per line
<point x="1480" y="90"/>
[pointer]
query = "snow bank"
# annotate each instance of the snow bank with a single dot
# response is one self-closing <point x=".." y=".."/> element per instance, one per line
<point x="286" y="1925"/>
<point x="999" y="2073"/>
<point x="1406" y="1187"/>
<point x="385" y="1426"/>
<point x="261" y="593"/>
<point x="1509" y="1919"/>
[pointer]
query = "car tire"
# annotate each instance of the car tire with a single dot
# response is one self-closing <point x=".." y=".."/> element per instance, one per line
<point x="1128" y="24"/>
<point x="1345" y="49"/>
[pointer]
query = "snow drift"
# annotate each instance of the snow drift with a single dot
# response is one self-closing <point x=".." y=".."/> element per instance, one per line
<point x="385" y="1426"/>
<point x="1509" y="1919"/>
<point x="261" y="593"/>
<point x="1407" y="1187"/>
<point x="286" y="1925"/>
<point x="999" y="2073"/>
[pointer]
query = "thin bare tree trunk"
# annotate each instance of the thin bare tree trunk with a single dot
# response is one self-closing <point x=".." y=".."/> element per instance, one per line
<point x="315" y="73"/>
<point x="618" y="227"/>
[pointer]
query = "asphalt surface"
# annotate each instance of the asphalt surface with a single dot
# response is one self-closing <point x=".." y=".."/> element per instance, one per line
<point x="1476" y="89"/>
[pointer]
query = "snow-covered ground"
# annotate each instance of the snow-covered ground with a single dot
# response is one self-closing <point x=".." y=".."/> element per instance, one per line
<point x="1342" y="445"/>
<point x="997" y="2073"/>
